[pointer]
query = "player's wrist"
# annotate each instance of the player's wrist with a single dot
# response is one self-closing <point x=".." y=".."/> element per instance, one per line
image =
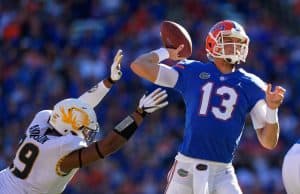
<point x="108" y="83"/>
<point x="271" y="115"/>
<point x="141" y="112"/>
<point x="162" y="54"/>
<point x="111" y="81"/>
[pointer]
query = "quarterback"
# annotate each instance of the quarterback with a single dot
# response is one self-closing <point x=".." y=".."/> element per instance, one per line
<point x="218" y="95"/>
<point x="60" y="141"/>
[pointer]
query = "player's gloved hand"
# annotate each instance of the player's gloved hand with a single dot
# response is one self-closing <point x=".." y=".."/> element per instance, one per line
<point x="115" y="70"/>
<point x="152" y="102"/>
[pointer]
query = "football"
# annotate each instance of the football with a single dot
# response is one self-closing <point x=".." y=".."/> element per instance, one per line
<point x="173" y="35"/>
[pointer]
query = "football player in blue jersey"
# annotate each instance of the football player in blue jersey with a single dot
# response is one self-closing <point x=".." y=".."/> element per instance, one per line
<point x="291" y="169"/>
<point x="216" y="107"/>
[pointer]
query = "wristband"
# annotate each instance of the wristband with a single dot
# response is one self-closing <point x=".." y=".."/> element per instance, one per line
<point x="126" y="127"/>
<point x="162" y="54"/>
<point x="110" y="80"/>
<point x="272" y="115"/>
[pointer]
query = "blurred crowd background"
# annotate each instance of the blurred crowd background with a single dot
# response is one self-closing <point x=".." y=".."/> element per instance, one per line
<point x="54" y="49"/>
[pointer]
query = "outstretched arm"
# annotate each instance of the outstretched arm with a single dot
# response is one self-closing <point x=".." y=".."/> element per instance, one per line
<point x="148" y="66"/>
<point x="268" y="135"/>
<point x="97" y="93"/>
<point x="118" y="136"/>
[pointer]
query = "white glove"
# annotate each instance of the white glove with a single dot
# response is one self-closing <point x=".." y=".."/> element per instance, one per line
<point x="153" y="101"/>
<point x="115" y="70"/>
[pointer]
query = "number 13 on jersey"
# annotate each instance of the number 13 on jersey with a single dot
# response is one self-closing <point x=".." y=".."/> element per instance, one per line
<point x="229" y="99"/>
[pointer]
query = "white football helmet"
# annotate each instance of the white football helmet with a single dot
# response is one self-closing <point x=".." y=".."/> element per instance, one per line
<point x="215" y="45"/>
<point x="76" y="117"/>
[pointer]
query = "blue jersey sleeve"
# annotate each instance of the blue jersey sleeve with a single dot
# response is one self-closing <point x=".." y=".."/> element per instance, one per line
<point x="183" y="70"/>
<point x="255" y="90"/>
<point x="256" y="95"/>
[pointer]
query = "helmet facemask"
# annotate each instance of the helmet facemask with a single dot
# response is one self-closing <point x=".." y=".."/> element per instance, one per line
<point x="230" y="44"/>
<point x="89" y="134"/>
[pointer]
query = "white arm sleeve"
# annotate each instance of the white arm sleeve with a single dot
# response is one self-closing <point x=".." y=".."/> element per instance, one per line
<point x="167" y="76"/>
<point x="94" y="96"/>
<point x="258" y="114"/>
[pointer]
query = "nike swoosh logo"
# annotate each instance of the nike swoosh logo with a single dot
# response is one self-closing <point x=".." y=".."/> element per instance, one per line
<point x="149" y="107"/>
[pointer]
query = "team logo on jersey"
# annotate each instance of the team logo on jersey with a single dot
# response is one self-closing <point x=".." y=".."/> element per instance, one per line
<point x="183" y="173"/>
<point x="204" y="75"/>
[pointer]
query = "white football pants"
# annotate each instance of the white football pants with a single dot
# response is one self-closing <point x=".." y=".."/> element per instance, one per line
<point x="291" y="170"/>
<point x="196" y="176"/>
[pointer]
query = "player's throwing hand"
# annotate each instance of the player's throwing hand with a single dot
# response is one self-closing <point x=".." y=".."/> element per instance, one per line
<point x="174" y="53"/>
<point x="275" y="98"/>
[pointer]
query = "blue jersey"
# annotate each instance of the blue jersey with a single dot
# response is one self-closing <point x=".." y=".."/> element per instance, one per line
<point x="216" y="108"/>
<point x="298" y="142"/>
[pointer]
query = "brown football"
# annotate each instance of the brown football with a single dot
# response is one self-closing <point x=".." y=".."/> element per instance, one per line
<point x="173" y="35"/>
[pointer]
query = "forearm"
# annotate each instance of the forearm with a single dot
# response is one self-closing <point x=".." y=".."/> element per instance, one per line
<point x="95" y="95"/>
<point x="120" y="135"/>
<point x="146" y="66"/>
<point x="269" y="135"/>
<point x="98" y="150"/>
